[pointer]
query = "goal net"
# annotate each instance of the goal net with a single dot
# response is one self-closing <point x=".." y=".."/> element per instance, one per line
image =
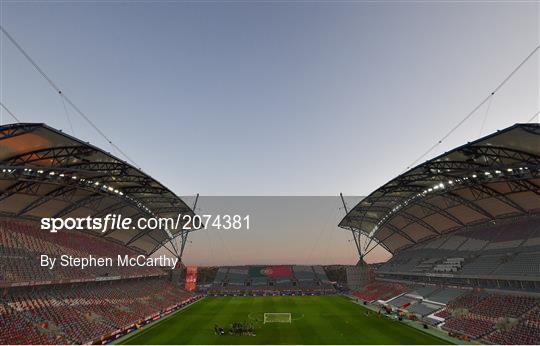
<point x="277" y="317"/>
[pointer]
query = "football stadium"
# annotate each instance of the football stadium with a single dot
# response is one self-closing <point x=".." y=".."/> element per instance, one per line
<point x="96" y="250"/>
<point x="463" y="230"/>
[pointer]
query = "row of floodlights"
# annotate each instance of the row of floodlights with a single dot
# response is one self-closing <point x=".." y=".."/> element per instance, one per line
<point x="487" y="174"/>
<point x="96" y="184"/>
<point x="441" y="186"/>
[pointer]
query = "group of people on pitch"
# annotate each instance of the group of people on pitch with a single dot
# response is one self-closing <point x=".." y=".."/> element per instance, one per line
<point x="236" y="328"/>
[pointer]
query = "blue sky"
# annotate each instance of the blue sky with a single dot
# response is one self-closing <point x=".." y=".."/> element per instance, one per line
<point x="272" y="98"/>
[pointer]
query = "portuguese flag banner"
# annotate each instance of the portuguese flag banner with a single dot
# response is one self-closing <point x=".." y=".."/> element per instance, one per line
<point x="259" y="272"/>
<point x="280" y="272"/>
<point x="270" y="271"/>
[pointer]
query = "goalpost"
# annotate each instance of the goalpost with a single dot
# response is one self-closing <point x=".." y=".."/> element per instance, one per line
<point x="277" y="317"/>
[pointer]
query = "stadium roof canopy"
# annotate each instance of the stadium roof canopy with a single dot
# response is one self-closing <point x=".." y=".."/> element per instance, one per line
<point x="495" y="177"/>
<point x="47" y="173"/>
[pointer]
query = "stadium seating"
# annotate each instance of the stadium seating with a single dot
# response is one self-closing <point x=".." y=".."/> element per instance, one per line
<point x="380" y="290"/>
<point x="271" y="279"/>
<point x="472" y="327"/>
<point x="423" y="309"/>
<point x="445" y="295"/>
<point x="495" y="306"/>
<point x="479" y="314"/>
<point x="453" y="242"/>
<point x="259" y="281"/>
<point x="82" y="314"/>
<point x="521" y="264"/>
<point x="17" y="330"/>
<point x="506" y="250"/>
<point x="473" y="245"/>
<point x="423" y="291"/>
<point x="466" y="301"/>
<point x="482" y="265"/>
<point x="478" y="281"/>
<point x="284" y="283"/>
<point x="522" y="334"/>
<point x="221" y="274"/>
<point x="304" y="273"/>
<point x="237" y="276"/>
<point x="21" y="244"/>
<point x="533" y="317"/>
<point x="51" y="312"/>
<point x="402" y="262"/>
<point x="321" y="274"/>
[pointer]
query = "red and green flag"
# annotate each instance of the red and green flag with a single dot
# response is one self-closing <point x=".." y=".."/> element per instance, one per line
<point x="273" y="272"/>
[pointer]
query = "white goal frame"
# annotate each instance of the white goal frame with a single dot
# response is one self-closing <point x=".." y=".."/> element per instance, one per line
<point x="277" y="317"/>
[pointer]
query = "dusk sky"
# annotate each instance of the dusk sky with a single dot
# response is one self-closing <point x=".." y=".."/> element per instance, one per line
<point x="256" y="98"/>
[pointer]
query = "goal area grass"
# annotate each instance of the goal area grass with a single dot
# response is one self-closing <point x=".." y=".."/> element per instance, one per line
<point x="314" y="320"/>
<point x="275" y="317"/>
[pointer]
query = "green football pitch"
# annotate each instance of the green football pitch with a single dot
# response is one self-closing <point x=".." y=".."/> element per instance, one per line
<point x="315" y="320"/>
